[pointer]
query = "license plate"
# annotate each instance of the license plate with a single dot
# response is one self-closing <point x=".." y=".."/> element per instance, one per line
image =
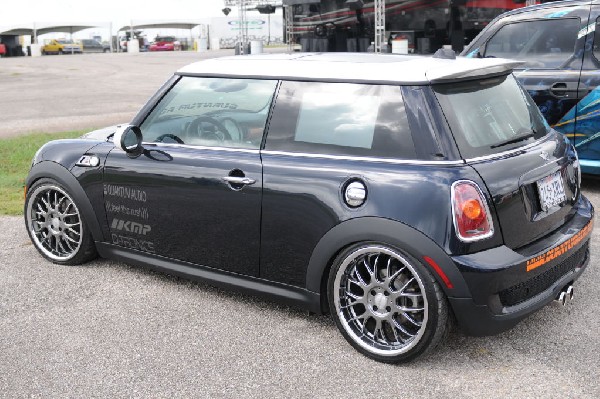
<point x="551" y="191"/>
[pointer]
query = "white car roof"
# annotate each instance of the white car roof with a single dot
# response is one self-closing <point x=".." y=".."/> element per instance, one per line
<point x="351" y="67"/>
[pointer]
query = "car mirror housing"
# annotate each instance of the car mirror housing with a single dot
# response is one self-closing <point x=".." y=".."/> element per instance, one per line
<point x="129" y="139"/>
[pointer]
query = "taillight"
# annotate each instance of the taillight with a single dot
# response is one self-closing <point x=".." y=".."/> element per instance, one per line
<point x="472" y="219"/>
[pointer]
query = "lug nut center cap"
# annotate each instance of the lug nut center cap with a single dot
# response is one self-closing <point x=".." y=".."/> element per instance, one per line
<point x="380" y="301"/>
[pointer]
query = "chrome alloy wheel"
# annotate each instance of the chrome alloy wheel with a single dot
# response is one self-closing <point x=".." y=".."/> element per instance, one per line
<point x="380" y="301"/>
<point x="54" y="222"/>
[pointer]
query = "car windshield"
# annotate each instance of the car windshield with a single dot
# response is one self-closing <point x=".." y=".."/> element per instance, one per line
<point x="491" y="115"/>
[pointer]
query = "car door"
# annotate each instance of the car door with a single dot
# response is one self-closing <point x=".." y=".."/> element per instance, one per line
<point x="586" y="113"/>
<point x="550" y="41"/>
<point x="194" y="194"/>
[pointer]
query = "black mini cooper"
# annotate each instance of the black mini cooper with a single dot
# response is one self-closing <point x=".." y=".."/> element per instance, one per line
<point x="391" y="191"/>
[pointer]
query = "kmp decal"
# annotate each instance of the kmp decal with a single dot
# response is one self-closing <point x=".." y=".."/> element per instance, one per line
<point x="130" y="227"/>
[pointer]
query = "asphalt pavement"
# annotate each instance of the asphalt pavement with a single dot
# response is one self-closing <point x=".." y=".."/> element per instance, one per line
<point x="107" y="329"/>
<point x="57" y="93"/>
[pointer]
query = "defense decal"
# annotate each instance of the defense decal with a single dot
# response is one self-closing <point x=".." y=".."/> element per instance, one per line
<point x="133" y="243"/>
<point x="561" y="249"/>
<point x="125" y="192"/>
<point x="130" y="227"/>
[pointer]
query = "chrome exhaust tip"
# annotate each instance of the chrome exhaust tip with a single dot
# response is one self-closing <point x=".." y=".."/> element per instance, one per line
<point x="562" y="298"/>
<point x="570" y="292"/>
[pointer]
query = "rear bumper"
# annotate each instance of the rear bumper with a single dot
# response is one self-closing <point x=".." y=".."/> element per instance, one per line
<point x="508" y="285"/>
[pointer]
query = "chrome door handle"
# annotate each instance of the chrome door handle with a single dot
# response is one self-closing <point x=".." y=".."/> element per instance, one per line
<point x="238" y="180"/>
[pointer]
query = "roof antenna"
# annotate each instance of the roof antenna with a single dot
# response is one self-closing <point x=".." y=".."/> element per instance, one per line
<point x="445" y="53"/>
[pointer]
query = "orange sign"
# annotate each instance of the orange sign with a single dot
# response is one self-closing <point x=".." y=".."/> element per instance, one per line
<point x="561" y="249"/>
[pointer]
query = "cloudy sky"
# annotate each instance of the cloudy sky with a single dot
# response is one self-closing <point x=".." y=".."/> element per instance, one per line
<point x="16" y="13"/>
<point x="116" y="11"/>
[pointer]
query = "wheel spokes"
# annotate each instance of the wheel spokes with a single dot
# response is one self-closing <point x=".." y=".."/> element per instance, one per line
<point x="55" y="222"/>
<point x="382" y="301"/>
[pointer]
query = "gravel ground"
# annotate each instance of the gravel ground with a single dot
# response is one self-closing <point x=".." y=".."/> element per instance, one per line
<point x="110" y="330"/>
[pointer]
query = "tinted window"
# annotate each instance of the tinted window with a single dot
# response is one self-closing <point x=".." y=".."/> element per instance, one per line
<point x="541" y="44"/>
<point x="490" y="116"/>
<point x="212" y="112"/>
<point x="340" y="118"/>
<point x="597" y="40"/>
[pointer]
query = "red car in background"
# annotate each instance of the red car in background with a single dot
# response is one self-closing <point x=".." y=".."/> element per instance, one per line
<point x="165" y="43"/>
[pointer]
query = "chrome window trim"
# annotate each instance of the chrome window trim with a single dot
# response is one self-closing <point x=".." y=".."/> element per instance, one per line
<point x="365" y="159"/>
<point x="201" y="147"/>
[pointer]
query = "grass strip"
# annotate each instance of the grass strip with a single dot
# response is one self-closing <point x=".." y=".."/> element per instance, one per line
<point x="16" y="154"/>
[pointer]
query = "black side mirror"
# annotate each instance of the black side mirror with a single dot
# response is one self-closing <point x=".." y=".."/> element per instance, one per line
<point x="129" y="139"/>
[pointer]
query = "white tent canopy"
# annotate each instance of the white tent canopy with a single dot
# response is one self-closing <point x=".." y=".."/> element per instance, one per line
<point x="162" y="25"/>
<point x="36" y="29"/>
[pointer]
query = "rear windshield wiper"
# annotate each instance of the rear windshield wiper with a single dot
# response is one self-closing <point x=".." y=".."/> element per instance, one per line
<point x="514" y="140"/>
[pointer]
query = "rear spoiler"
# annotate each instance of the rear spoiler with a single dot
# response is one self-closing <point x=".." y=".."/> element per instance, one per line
<point x="463" y="68"/>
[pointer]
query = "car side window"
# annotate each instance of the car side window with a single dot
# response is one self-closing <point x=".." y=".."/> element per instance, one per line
<point x="340" y="119"/>
<point x="219" y="112"/>
<point x="596" y="47"/>
<point x="544" y="44"/>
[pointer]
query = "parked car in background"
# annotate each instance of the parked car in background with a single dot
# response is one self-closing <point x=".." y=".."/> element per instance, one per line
<point x="389" y="191"/>
<point x="2" y="50"/>
<point x="165" y="43"/>
<point x="94" y="46"/>
<point x="61" y="46"/>
<point x="559" y="44"/>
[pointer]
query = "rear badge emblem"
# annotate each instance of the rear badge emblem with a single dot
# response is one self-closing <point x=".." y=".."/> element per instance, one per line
<point x="545" y="156"/>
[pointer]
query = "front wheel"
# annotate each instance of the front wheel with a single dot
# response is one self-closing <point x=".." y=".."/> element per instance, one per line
<point x="55" y="224"/>
<point x="385" y="303"/>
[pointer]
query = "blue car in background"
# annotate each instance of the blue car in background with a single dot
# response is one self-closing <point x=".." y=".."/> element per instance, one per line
<point x="557" y="43"/>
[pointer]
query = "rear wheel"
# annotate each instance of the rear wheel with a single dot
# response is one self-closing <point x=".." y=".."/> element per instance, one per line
<point x="385" y="303"/>
<point x="55" y="224"/>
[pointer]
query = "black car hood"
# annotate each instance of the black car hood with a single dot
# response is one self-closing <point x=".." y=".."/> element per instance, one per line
<point x="101" y="134"/>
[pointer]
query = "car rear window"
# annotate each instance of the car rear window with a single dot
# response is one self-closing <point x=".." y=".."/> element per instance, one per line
<point x="490" y="116"/>
<point x="341" y="119"/>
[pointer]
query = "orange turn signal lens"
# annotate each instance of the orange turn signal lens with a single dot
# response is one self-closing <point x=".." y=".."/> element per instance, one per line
<point x="472" y="209"/>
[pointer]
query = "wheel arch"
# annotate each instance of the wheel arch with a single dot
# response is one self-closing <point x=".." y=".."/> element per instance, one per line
<point x="53" y="170"/>
<point x="384" y="231"/>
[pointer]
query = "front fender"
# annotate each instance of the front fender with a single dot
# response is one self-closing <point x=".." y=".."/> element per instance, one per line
<point x="388" y="232"/>
<point x="53" y="170"/>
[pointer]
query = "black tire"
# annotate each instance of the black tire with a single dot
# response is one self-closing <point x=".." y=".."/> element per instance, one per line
<point x="55" y="224"/>
<point x="60" y="52"/>
<point x="386" y="304"/>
